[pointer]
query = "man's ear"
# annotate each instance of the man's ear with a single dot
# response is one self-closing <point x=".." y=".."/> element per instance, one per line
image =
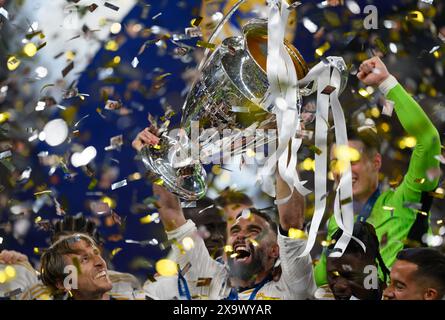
<point x="377" y="161"/>
<point x="275" y="251"/>
<point x="430" y="294"/>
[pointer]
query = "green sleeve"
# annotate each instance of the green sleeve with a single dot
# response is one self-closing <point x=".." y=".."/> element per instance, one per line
<point x="417" y="124"/>
<point x="320" y="274"/>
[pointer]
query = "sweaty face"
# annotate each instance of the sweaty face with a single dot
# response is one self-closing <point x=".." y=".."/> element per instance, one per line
<point x="403" y="284"/>
<point x="92" y="275"/>
<point x="346" y="277"/>
<point x="253" y="246"/>
<point x="364" y="172"/>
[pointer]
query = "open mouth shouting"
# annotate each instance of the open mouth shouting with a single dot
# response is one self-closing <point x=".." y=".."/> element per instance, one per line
<point x="242" y="252"/>
<point x="101" y="275"/>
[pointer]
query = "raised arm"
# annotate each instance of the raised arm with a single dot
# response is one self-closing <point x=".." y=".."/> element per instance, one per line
<point x="292" y="212"/>
<point x="297" y="272"/>
<point x="414" y="121"/>
<point x="170" y="210"/>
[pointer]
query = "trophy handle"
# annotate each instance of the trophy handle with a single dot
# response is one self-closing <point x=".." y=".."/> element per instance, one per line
<point x="188" y="181"/>
<point x="217" y="30"/>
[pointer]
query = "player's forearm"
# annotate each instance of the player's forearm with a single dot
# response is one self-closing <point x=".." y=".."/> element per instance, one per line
<point x="292" y="212"/>
<point x="170" y="210"/>
<point x="413" y="119"/>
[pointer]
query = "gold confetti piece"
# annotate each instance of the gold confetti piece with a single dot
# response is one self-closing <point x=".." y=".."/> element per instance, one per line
<point x="315" y="149"/>
<point x="381" y="46"/>
<point x="92" y="184"/>
<point x="42" y="192"/>
<point x="4" y="116"/>
<point x="196" y="21"/>
<point x="36" y="250"/>
<point x="296" y="234"/>
<point x="439" y="221"/>
<point x="216" y="169"/>
<point x="415" y="16"/>
<point x="13" y="63"/>
<point x="111" y="6"/>
<point x="166" y="267"/>
<point x="234" y="255"/>
<point x="254" y="242"/>
<point x="116" y="251"/>
<point x="320" y="51"/>
<point x="327" y="243"/>
<point x="135" y="176"/>
<point x="68" y="68"/>
<point x="146" y="219"/>
<point x="228" y="248"/>
<point x="419" y="180"/>
<point x="387" y="208"/>
<point x="346" y="153"/>
<point x="203" y="44"/>
<point x="336" y="273"/>
<point x="364" y="93"/>
<point x="112" y="45"/>
<point x="30" y="49"/>
<point x="159" y="182"/>
<point x="3" y="277"/>
<point x="10" y="272"/>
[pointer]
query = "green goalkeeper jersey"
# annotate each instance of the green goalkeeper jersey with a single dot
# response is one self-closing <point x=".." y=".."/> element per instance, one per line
<point x="391" y="216"/>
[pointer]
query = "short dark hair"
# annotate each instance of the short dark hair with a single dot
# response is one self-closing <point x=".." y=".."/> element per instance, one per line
<point x="229" y="196"/>
<point x="367" y="136"/>
<point x="264" y="215"/>
<point x="365" y="232"/>
<point x="52" y="264"/>
<point x="430" y="264"/>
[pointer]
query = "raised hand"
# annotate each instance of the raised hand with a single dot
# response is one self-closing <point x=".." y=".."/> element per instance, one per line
<point x="145" y="137"/>
<point x="373" y="72"/>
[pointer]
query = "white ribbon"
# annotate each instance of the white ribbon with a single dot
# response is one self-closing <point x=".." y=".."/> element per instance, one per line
<point x="283" y="85"/>
<point x="343" y="213"/>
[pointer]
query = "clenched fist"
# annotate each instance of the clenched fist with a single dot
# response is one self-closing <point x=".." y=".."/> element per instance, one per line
<point x="145" y="137"/>
<point x="372" y="72"/>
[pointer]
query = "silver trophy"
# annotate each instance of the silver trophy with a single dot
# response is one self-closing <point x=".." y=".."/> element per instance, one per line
<point x="228" y="95"/>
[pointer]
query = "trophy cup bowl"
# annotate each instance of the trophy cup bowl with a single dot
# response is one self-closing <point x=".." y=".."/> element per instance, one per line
<point x="233" y="78"/>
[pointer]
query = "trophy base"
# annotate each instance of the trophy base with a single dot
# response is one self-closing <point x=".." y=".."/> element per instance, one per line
<point x="187" y="182"/>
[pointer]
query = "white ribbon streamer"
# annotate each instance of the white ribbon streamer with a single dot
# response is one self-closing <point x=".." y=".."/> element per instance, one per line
<point x="283" y="82"/>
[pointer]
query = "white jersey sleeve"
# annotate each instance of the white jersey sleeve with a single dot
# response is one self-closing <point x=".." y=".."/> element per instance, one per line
<point x="24" y="278"/>
<point x="297" y="272"/>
